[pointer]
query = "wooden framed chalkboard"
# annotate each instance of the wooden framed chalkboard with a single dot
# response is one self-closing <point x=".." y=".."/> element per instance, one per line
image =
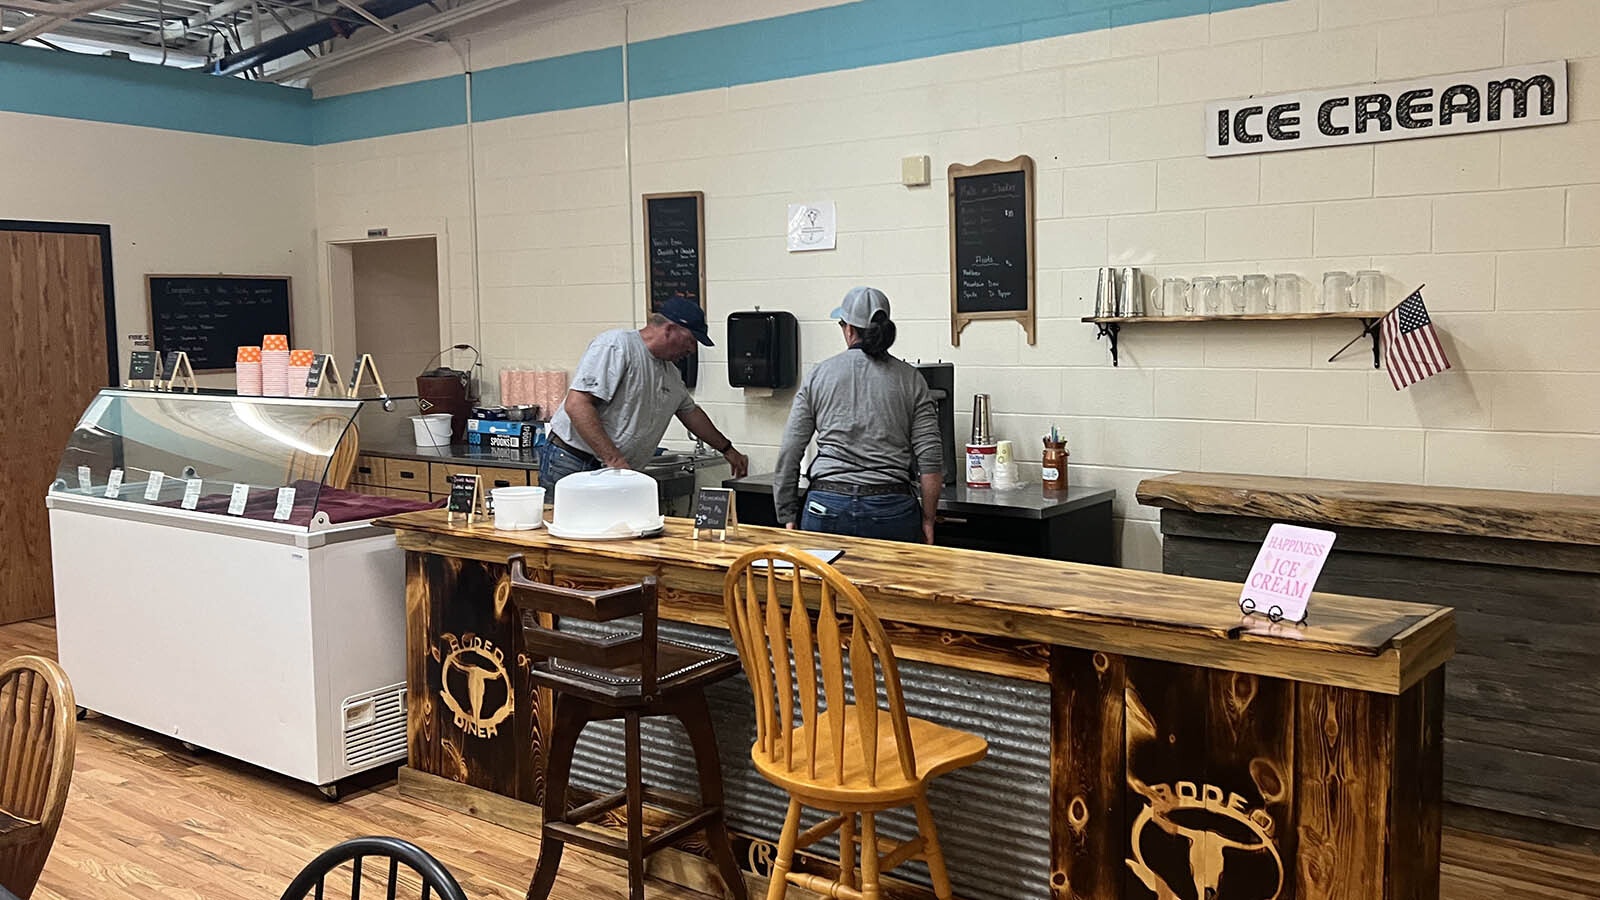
<point x="991" y="244"/>
<point x="210" y="316"/>
<point x="675" y="240"/>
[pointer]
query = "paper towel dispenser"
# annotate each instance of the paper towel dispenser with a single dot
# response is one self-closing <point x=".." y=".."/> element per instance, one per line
<point x="763" y="349"/>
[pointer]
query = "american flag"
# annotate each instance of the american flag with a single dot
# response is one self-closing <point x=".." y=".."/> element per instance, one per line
<point x="1411" y="350"/>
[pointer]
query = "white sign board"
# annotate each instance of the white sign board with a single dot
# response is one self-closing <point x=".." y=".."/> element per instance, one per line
<point x="1439" y="105"/>
<point x="1285" y="572"/>
<point x="812" y="226"/>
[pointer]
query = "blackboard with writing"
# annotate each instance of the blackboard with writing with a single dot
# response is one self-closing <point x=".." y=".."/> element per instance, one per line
<point x="144" y="365"/>
<point x="713" y="510"/>
<point x="991" y="244"/>
<point x="674" y="237"/>
<point x="210" y="316"/>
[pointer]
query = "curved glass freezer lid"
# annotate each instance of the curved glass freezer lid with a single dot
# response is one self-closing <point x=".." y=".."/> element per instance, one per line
<point x="213" y="454"/>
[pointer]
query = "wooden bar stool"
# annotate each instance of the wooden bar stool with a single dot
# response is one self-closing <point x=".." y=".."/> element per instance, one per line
<point x="851" y="759"/>
<point x="626" y="676"/>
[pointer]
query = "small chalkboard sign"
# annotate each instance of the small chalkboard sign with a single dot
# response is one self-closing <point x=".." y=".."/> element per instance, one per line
<point x="144" y="365"/>
<point x="210" y="317"/>
<point x="675" y="238"/>
<point x="714" y="512"/>
<point x="463" y="497"/>
<point x="991" y="244"/>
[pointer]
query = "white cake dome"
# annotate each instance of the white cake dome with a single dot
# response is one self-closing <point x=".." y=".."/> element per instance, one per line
<point x="606" y="503"/>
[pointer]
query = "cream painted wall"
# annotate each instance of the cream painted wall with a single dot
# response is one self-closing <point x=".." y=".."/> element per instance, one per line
<point x="396" y="287"/>
<point x="1504" y="228"/>
<point x="176" y="203"/>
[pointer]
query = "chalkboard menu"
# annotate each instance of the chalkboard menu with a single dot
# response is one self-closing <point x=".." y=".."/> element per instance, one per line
<point x="675" y="235"/>
<point x="991" y="244"/>
<point x="674" y="228"/>
<point x="210" y="316"/>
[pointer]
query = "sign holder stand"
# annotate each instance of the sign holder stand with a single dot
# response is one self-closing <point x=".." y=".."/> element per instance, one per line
<point x="717" y="520"/>
<point x="180" y="363"/>
<point x="364" y="367"/>
<point x="463" y="497"/>
<point x="324" y="372"/>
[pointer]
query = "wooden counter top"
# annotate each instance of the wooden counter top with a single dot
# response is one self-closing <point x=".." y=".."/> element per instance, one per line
<point x="1373" y="645"/>
<point x="1558" y="518"/>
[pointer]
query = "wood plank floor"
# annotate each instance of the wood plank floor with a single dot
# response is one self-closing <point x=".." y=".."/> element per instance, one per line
<point x="146" y="819"/>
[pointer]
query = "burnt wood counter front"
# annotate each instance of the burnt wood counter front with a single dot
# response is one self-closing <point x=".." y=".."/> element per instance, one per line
<point x="1190" y="752"/>
<point x="1521" y="569"/>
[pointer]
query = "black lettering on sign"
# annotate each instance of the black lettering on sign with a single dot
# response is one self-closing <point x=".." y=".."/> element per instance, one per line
<point x="1325" y="117"/>
<point x="1241" y="125"/>
<point x="1283" y="122"/>
<point x="1519" y="89"/>
<point x="1460" y="100"/>
<point x="991" y="244"/>
<point x="1410" y="106"/>
<point x="210" y="317"/>
<point x="1374" y="108"/>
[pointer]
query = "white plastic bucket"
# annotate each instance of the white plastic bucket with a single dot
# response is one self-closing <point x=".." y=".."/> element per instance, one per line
<point x="518" y="508"/>
<point x="432" y="430"/>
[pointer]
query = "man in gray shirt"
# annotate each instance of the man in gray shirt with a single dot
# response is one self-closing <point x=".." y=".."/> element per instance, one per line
<point x="625" y="393"/>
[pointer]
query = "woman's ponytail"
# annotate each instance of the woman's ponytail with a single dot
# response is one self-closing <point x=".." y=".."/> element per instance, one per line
<point x="878" y="337"/>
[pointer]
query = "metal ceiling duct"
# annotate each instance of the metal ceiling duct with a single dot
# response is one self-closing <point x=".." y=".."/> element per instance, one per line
<point x="302" y="38"/>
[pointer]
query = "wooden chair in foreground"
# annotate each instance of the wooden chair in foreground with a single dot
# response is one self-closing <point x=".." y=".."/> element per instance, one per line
<point x="341" y="465"/>
<point x="626" y="676"/>
<point x="435" y="879"/>
<point x="849" y="758"/>
<point x="38" y="740"/>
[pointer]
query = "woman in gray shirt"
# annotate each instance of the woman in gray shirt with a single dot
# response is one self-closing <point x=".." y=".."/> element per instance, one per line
<point x="878" y="468"/>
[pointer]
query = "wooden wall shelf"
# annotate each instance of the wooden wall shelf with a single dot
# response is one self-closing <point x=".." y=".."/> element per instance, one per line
<point x="1111" y="326"/>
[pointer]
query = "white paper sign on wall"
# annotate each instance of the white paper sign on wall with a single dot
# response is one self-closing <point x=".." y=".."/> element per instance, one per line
<point x="1435" y="106"/>
<point x="812" y="226"/>
<point x="1285" y="572"/>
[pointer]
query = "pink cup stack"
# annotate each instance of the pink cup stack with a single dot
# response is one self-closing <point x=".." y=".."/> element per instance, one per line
<point x="275" y="365"/>
<point x="299" y="369"/>
<point x="247" y="371"/>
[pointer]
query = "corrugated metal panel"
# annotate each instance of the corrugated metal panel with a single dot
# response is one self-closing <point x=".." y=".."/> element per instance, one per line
<point x="993" y="817"/>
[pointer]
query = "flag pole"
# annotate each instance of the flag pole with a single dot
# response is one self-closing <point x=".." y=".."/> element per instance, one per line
<point x="1367" y="329"/>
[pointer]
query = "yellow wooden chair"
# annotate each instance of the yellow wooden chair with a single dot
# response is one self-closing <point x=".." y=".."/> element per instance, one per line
<point x="341" y="465"/>
<point x="851" y="759"/>
<point x="38" y="740"/>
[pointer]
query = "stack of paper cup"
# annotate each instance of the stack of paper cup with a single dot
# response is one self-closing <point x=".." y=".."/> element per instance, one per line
<point x="299" y="369"/>
<point x="275" y="365"/>
<point x="247" y="369"/>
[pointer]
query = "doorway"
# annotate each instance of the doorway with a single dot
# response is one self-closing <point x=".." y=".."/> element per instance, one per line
<point x="57" y="349"/>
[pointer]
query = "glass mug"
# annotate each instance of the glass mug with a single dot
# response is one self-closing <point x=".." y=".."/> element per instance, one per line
<point x="1171" y="298"/>
<point x="1256" y="290"/>
<point x="1207" y="299"/>
<point x="1285" y="294"/>
<point x="1368" y="290"/>
<point x="1336" y="293"/>
<point x="1231" y="287"/>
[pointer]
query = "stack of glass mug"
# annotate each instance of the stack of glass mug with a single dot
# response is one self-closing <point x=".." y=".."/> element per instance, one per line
<point x="1233" y="295"/>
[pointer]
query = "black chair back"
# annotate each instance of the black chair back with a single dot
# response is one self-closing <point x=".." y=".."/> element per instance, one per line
<point x="535" y="599"/>
<point x="436" y="879"/>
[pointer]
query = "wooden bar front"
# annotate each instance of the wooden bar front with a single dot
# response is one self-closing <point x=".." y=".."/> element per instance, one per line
<point x="1194" y="753"/>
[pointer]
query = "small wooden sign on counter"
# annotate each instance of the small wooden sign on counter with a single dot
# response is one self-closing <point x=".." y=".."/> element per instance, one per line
<point x="463" y="497"/>
<point x="144" y="368"/>
<point x="715" y="513"/>
<point x="1285" y="572"/>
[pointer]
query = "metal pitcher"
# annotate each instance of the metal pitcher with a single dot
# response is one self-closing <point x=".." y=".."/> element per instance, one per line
<point x="982" y="423"/>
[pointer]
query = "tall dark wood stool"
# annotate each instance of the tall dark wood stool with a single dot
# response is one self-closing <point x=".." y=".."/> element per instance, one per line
<point x="625" y="676"/>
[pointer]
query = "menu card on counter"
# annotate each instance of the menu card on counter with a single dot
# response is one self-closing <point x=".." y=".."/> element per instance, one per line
<point x="191" y="493"/>
<point x="714" y="512"/>
<point x="1285" y="572"/>
<point x="463" y="497"/>
<point x="114" y="485"/>
<point x="85" y="478"/>
<point x="144" y="365"/>
<point x="241" y="496"/>
<point x="285" y="504"/>
<point x="152" y="486"/>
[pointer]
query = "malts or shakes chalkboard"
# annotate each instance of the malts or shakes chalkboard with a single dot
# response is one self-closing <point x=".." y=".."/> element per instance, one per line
<point x="210" y="317"/>
<point x="991" y="244"/>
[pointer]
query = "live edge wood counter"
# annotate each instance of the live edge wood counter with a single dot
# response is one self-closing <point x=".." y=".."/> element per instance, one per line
<point x="1191" y="748"/>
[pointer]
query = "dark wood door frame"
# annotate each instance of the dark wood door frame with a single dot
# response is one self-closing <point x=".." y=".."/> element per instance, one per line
<point x="113" y="356"/>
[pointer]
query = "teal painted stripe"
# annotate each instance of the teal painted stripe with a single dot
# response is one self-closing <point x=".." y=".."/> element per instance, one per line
<point x="577" y="80"/>
<point x="75" y="86"/>
<point x="400" y="109"/>
<point x="873" y="32"/>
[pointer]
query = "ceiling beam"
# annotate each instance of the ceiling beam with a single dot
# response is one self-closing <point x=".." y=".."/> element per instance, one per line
<point x="43" y="22"/>
<point x="429" y="25"/>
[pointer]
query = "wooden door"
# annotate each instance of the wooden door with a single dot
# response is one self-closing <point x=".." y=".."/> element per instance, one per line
<point x="54" y="333"/>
